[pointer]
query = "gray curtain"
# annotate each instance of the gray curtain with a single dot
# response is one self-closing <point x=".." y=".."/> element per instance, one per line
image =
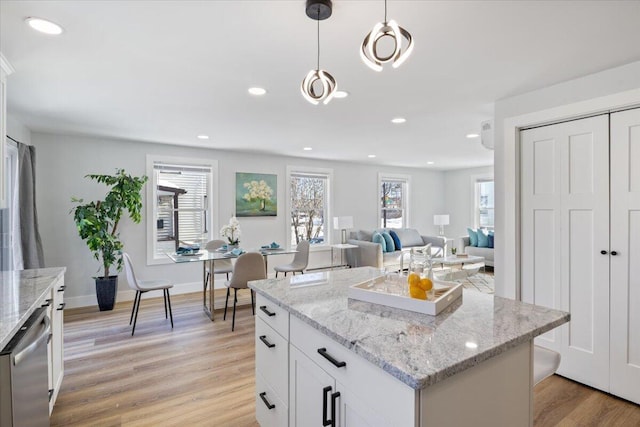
<point x="32" y="254"/>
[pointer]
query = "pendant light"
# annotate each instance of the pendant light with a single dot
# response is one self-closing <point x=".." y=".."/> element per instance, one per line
<point x="318" y="10"/>
<point x="369" y="50"/>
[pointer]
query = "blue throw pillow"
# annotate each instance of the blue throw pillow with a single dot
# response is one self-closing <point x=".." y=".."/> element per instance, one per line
<point x="473" y="237"/>
<point x="491" y="240"/>
<point x="483" y="239"/>
<point x="388" y="240"/>
<point x="396" y="240"/>
<point x="377" y="238"/>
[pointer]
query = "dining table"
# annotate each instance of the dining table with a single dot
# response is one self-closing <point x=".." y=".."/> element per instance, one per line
<point x="208" y="259"/>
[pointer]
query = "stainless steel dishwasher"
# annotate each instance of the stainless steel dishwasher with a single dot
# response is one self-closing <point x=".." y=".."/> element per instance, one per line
<point x="24" y="391"/>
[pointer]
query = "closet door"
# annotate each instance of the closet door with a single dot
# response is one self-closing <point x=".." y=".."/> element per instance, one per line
<point x="625" y="265"/>
<point x="565" y="226"/>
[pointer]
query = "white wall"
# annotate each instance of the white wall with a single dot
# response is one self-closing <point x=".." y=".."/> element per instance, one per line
<point x="18" y="131"/>
<point x="613" y="88"/>
<point x="459" y="199"/>
<point x="64" y="160"/>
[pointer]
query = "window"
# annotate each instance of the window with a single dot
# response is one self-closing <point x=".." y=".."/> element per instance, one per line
<point x="393" y="201"/>
<point x="179" y="208"/>
<point x="484" y="200"/>
<point x="308" y="205"/>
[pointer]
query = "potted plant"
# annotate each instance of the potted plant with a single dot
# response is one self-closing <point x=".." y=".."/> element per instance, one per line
<point x="97" y="223"/>
<point x="232" y="232"/>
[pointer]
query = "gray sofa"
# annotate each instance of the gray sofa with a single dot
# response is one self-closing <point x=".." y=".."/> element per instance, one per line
<point x="370" y="254"/>
<point x="464" y="246"/>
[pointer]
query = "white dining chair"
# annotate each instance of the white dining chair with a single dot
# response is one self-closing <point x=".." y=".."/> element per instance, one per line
<point x="249" y="266"/>
<point x="300" y="260"/>
<point x="220" y="266"/>
<point x="142" y="286"/>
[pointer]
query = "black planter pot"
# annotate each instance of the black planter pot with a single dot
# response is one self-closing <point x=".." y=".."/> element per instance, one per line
<point x="106" y="290"/>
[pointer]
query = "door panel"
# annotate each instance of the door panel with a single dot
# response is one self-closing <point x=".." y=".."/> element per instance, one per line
<point x="565" y="221"/>
<point x="625" y="266"/>
<point x="307" y="381"/>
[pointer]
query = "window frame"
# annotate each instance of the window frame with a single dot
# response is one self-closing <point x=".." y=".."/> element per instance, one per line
<point x="311" y="171"/>
<point x="151" y="200"/>
<point x="406" y="180"/>
<point x="475" y="191"/>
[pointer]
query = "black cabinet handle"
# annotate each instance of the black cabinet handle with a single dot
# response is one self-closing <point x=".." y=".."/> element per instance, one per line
<point x="614" y="253"/>
<point x="603" y="252"/>
<point x="325" y="392"/>
<point x="334" y="397"/>
<point x="263" y="338"/>
<point x="50" y="394"/>
<point x="263" y="396"/>
<point x="323" y="353"/>
<point x="61" y="288"/>
<point x="267" y="312"/>
<point x="47" y="303"/>
<point x="49" y="338"/>
<point x="61" y="306"/>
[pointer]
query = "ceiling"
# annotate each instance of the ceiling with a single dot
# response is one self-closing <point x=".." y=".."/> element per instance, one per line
<point x="167" y="71"/>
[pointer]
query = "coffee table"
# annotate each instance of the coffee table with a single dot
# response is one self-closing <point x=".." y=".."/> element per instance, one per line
<point x="462" y="272"/>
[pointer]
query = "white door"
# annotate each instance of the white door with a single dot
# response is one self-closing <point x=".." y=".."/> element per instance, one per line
<point x="565" y="226"/>
<point x="625" y="265"/>
<point x="309" y="403"/>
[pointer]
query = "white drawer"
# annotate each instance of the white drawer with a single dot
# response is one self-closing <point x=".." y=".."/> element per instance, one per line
<point x="272" y="359"/>
<point x="363" y="378"/>
<point x="274" y="315"/>
<point x="275" y="416"/>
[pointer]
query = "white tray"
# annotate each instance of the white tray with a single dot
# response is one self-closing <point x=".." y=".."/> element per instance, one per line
<point x="386" y="294"/>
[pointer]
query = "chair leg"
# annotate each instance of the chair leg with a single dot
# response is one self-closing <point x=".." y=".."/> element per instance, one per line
<point x="235" y="300"/>
<point x="137" y="309"/>
<point x="164" y="294"/>
<point x="253" y="304"/>
<point x="135" y="301"/>
<point x="276" y="274"/>
<point x="226" y="303"/>
<point x="169" y="302"/>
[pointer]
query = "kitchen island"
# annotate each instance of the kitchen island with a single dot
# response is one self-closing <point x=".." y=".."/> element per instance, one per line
<point x="324" y="359"/>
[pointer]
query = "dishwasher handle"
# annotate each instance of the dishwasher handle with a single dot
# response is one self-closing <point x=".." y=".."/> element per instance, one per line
<point x="43" y="333"/>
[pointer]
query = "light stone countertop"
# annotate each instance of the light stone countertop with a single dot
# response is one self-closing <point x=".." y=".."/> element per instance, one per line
<point x="420" y="350"/>
<point x="21" y="292"/>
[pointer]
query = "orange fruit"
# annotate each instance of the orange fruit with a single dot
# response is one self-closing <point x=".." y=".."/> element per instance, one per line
<point x="425" y="284"/>
<point x="413" y="279"/>
<point x="417" y="292"/>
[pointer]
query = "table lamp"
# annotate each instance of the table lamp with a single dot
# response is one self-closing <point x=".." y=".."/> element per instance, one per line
<point x="441" y="220"/>
<point x="343" y="223"/>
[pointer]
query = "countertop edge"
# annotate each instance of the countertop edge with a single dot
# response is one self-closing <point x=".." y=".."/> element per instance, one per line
<point x="37" y="303"/>
<point x="407" y="378"/>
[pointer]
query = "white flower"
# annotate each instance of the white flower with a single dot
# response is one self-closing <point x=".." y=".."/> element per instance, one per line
<point x="257" y="190"/>
<point x="232" y="230"/>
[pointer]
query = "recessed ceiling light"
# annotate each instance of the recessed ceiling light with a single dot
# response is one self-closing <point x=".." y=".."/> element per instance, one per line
<point x="341" y="94"/>
<point x="472" y="135"/>
<point x="257" y="91"/>
<point x="203" y="136"/>
<point x="430" y="163"/>
<point x="307" y="148"/>
<point x="44" y="26"/>
<point x="398" y="120"/>
<point x="371" y="156"/>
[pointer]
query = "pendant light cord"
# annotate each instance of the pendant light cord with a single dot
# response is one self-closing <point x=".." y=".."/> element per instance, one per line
<point x="385" y="11"/>
<point x="318" y="63"/>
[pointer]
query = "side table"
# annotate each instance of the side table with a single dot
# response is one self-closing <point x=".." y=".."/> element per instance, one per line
<point x="342" y="247"/>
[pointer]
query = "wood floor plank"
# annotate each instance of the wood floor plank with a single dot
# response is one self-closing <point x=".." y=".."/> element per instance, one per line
<point x="201" y="374"/>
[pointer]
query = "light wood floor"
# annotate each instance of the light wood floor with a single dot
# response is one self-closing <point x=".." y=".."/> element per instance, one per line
<point x="202" y="374"/>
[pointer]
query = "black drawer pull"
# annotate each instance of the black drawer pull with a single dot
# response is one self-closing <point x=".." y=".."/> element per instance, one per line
<point x="263" y="338"/>
<point x="325" y="392"/>
<point x="334" y="397"/>
<point x="263" y="396"/>
<point x="267" y="312"/>
<point x="47" y="303"/>
<point x="61" y="306"/>
<point x="50" y="394"/>
<point x="614" y="253"/>
<point x="603" y="252"/>
<point x="61" y="288"/>
<point x="323" y="353"/>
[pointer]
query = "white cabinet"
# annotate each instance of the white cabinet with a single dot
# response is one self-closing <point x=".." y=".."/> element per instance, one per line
<point x="5" y="70"/>
<point x="55" y="346"/>
<point x="579" y="203"/>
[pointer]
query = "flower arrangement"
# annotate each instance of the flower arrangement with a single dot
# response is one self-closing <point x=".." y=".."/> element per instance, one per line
<point x="258" y="190"/>
<point x="232" y="231"/>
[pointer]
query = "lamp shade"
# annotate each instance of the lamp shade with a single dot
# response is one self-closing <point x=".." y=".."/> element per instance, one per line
<point x="441" y="220"/>
<point x="342" y="222"/>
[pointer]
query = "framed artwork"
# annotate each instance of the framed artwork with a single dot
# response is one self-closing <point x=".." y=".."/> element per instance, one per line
<point x="256" y="194"/>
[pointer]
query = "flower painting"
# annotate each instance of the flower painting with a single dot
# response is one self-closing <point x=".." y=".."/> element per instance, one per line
<point x="256" y="194"/>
